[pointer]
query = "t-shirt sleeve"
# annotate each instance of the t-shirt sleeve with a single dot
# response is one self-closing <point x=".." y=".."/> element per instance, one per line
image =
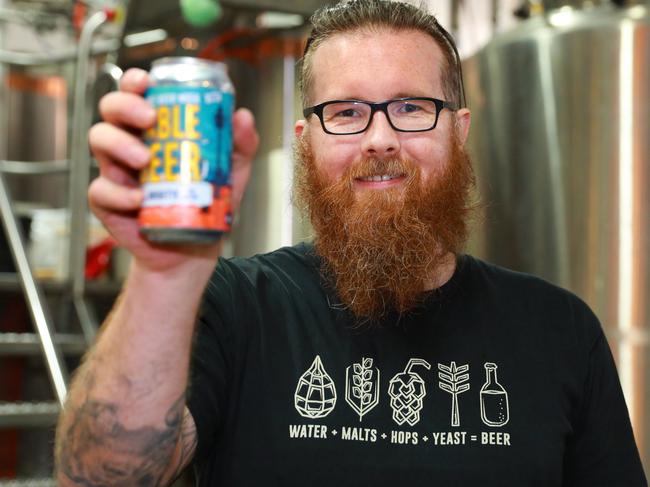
<point x="601" y="451"/>
<point x="213" y="357"/>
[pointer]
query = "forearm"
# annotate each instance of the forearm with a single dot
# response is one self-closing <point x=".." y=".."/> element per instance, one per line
<point x="123" y="416"/>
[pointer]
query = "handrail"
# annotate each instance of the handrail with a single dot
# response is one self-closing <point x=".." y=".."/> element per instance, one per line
<point x="80" y="176"/>
<point x="37" y="307"/>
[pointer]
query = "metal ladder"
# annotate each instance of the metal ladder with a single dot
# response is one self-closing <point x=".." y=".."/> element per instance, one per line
<point x="45" y="341"/>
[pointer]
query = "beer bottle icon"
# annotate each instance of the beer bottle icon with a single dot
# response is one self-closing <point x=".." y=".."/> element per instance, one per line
<point x="494" y="399"/>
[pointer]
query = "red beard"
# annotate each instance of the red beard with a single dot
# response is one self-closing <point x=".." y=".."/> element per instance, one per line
<point x="382" y="249"/>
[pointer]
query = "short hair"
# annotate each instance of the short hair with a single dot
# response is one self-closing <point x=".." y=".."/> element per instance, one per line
<point x="355" y="15"/>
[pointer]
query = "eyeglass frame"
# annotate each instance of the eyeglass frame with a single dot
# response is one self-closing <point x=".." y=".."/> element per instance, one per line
<point x="381" y="106"/>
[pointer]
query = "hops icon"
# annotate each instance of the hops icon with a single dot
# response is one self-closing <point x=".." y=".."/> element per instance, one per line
<point x="315" y="395"/>
<point x="407" y="393"/>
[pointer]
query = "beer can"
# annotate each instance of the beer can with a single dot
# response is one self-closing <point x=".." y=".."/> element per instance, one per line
<point x="186" y="186"/>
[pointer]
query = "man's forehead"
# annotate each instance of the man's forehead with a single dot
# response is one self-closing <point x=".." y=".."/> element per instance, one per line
<point x="409" y="60"/>
<point x="413" y="40"/>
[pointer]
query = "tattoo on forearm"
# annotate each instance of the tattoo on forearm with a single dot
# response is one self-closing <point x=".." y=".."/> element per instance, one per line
<point x="188" y="443"/>
<point x="98" y="450"/>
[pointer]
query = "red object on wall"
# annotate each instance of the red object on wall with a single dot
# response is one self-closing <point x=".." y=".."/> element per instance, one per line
<point x="79" y="11"/>
<point x="98" y="258"/>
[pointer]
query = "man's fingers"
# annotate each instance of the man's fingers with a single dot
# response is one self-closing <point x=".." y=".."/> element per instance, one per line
<point x="109" y="141"/>
<point x="118" y="173"/>
<point x="134" y="80"/>
<point x="105" y="195"/>
<point x="121" y="154"/>
<point x="245" y="142"/>
<point x="127" y="109"/>
<point x="245" y="137"/>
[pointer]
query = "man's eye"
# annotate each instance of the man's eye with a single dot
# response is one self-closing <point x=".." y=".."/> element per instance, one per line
<point x="409" y="108"/>
<point x="347" y="113"/>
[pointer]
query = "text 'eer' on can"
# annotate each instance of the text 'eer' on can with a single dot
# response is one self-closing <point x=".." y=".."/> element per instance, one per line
<point x="186" y="186"/>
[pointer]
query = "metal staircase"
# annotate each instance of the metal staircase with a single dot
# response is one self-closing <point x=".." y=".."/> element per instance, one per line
<point x="29" y="483"/>
<point x="52" y="346"/>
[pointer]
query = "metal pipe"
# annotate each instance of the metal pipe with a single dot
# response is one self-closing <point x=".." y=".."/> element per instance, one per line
<point x="34" y="168"/>
<point x="80" y="175"/>
<point x="628" y="231"/>
<point x="9" y="282"/>
<point x="41" y="414"/>
<point x="455" y="14"/>
<point x="61" y="56"/>
<point x="113" y="72"/>
<point x="557" y="200"/>
<point x="578" y="4"/>
<point x="4" y="97"/>
<point x="87" y="317"/>
<point x="37" y="307"/>
<point x="30" y="17"/>
<point x="303" y="7"/>
<point x="288" y="117"/>
<point x="17" y="344"/>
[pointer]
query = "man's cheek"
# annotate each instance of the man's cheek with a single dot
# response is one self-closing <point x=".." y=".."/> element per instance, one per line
<point x="330" y="174"/>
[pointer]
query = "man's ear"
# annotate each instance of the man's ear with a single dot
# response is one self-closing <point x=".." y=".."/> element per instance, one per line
<point x="463" y="121"/>
<point x="299" y="128"/>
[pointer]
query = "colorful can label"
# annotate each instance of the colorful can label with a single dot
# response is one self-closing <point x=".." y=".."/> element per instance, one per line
<point x="187" y="183"/>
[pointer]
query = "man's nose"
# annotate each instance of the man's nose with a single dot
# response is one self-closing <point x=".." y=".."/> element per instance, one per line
<point x="380" y="139"/>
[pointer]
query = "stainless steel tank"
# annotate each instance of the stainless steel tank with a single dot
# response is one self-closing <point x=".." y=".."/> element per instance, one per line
<point x="561" y="143"/>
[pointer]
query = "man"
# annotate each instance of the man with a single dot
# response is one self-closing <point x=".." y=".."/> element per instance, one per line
<point x="379" y="355"/>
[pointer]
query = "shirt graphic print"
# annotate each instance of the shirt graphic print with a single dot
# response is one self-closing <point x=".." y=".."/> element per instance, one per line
<point x="316" y="394"/>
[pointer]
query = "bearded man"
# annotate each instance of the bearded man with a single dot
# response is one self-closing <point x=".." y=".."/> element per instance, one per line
<point x="379" y="354"/>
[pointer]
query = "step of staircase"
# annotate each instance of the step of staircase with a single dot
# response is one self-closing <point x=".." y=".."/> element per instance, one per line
<point x="28" y="414"/>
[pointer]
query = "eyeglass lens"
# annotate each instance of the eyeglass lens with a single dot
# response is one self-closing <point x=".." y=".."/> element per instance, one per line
<point x="347" y="117"/>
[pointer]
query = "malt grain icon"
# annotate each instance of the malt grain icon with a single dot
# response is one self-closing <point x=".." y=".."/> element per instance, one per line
<point x="362" y="387"/>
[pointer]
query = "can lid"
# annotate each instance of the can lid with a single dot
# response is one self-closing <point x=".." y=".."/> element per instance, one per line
<point x="192" y="68"/>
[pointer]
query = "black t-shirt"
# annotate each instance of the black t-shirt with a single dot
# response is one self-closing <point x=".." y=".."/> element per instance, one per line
<point x="499" y="379"/>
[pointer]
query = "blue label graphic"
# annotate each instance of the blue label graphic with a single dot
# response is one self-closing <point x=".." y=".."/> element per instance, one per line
<point x="192" y="139"/>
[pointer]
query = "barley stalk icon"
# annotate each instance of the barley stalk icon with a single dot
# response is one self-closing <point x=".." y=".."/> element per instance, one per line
<point x="453" y="380"/>
<point x="362" y="387"/>
<point x="407" y="391"/>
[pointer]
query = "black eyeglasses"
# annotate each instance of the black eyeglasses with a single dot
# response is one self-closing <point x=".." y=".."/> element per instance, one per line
<point x="349" y="117"/>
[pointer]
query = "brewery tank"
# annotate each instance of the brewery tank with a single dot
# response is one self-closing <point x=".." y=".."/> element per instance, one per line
<point x="560" y="141"/>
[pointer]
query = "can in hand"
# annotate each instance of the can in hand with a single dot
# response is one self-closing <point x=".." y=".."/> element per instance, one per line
<point x="187" y="186"/>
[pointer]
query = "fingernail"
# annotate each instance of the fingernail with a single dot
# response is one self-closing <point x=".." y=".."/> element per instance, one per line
<point x="138" y="75"/>
<point x="146" y="115"/>
<point x="137" y="196"/>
